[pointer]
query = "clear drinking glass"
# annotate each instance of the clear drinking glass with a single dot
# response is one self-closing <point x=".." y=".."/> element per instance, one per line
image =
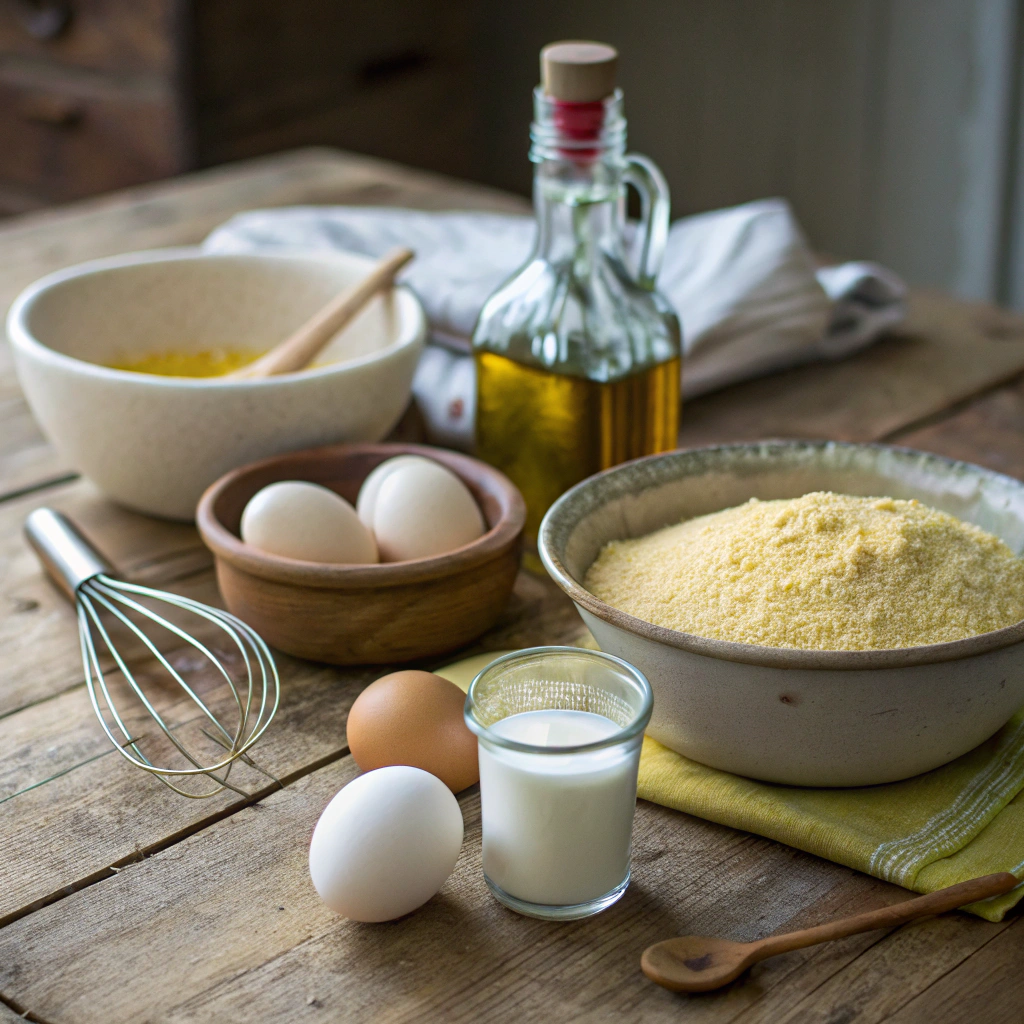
<point x="559" y="731"/>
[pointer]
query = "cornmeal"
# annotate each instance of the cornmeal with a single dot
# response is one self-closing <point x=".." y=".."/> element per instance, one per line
<point x="827" y="572"/>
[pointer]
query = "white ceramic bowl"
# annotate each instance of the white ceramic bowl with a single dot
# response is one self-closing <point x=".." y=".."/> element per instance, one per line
<point x="156" y="443"/>
<point x="807" y="718"/>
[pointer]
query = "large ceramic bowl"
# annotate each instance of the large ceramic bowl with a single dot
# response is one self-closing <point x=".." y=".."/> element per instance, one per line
<point x="808" y="718"/>
<point x="155" y="443"/>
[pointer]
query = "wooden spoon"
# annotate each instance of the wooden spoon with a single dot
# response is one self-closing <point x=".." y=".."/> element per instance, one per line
<point x="693" y="963"/>
<point x="299" y="350"/>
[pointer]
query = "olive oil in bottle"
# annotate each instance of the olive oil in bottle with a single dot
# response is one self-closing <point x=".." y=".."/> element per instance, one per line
<point x="547" y="431"/>
<point x="577" y="356"/>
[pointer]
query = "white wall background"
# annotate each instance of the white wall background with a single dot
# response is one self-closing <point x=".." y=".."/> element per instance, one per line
<point x="891" y="125"/>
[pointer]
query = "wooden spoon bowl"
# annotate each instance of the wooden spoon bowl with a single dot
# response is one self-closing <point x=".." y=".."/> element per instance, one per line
<point x="696" y="963"/>
<point x="365" y="614"/>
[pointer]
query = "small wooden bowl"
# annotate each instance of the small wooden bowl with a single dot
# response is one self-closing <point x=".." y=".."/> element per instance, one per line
<point x="364" y="614"/>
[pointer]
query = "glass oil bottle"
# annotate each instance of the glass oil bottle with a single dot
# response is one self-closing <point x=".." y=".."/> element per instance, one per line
<point x="577" y="356"/>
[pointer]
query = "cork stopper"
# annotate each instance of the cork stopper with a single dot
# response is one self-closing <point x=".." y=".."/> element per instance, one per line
<point x="578" y="72"/>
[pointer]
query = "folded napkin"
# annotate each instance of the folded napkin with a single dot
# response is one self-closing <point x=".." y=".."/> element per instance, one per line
<point x="957" y="822"/>
<point x="742" y="280"/>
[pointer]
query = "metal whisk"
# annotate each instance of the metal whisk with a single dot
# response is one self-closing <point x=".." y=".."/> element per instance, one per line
<point x="85" y="577"/>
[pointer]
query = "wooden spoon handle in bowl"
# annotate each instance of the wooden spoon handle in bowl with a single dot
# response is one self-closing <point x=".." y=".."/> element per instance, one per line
<point x="888" y="917"/>
<point x="299" y="350"/>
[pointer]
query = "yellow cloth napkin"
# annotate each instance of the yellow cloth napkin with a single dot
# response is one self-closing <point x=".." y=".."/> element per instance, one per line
<point x="959" y="821"/>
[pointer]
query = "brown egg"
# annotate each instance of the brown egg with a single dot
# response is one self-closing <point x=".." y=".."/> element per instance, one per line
<point x="414" y="718"/>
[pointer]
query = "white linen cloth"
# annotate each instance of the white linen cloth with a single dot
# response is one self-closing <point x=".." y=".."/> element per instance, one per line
<point x="743" y="281"/>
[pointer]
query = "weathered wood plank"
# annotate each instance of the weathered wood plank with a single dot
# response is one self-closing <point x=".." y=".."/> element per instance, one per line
<point x="985" y="986"/>
<point x="890" y="973"/>
<point x="26" y="457"/>
<point x="8" y="1016"/>
<point x="947" y="351"/>
<point x="989" y="431"/>
<point x="260" y="945"/>
<point x="210" y="872"/>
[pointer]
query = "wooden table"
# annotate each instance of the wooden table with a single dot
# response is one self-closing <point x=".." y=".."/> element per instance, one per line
<point x="120" y="901"/>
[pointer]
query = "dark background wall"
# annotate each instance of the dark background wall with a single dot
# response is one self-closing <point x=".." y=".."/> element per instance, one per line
<point x="891" y="125"/>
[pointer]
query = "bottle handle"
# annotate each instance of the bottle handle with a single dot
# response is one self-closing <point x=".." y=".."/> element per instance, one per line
<point x="643" y="174"/>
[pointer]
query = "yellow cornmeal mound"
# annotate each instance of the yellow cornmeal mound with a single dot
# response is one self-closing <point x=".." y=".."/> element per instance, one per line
<point x="826" y="572"/>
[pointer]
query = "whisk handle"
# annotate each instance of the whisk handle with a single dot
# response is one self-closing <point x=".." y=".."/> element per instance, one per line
<point x="67" y="556"/>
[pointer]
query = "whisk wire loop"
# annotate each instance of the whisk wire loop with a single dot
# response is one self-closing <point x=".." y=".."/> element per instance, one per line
<point x="223" y="619"/>
<point x="142" y="610"/>
<point x="84" y="597"/>
<point x="130" y="742"/>
<point x="259" y="667"/>
<point x="83" y="574"/>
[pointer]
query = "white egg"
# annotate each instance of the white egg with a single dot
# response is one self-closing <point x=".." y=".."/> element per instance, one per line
<point x="424" y="509"/>
<point x="301" y="520"/>
<point x="366" y="503"/>
<point x="385" y="844"/>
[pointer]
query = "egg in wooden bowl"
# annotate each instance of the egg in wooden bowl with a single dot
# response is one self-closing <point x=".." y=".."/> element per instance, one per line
<point x="385" y="612"/>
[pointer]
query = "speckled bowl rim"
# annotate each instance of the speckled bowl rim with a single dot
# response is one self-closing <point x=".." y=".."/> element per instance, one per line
<point x="596" y="490"/>
<point x="411" y="334"/>
<point x="279" y="569"/>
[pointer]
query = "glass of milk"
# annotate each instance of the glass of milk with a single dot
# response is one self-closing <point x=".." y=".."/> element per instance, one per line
<point x="559" y="731"/>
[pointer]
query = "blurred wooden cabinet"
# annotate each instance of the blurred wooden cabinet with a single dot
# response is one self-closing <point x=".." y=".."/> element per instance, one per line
<point x="99" y="94"/>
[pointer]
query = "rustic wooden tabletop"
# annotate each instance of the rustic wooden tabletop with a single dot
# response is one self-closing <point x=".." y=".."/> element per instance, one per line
<point x="120" y="901"/>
